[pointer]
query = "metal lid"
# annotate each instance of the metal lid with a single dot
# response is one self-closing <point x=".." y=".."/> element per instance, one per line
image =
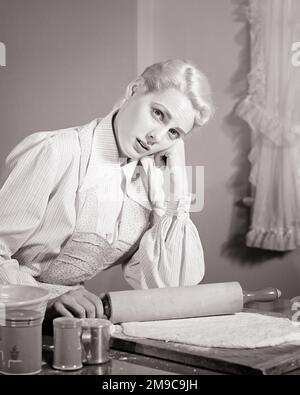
<point x="66" y="322"/>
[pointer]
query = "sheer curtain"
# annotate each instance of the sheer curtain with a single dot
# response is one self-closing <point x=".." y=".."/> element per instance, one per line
<point x="272" y="110"/>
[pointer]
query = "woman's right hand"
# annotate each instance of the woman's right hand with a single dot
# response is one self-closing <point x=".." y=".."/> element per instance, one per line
<point x="174" y="160"/>
<point x="78" y="303"/>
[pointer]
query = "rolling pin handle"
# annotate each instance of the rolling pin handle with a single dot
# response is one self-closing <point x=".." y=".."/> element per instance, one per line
<point x="264" y="295"/>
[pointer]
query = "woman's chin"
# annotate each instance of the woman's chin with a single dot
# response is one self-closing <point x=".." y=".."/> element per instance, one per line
<point x="133" y="154"/>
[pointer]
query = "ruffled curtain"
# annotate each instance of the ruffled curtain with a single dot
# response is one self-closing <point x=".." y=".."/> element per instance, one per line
<point x="272" y="110"/>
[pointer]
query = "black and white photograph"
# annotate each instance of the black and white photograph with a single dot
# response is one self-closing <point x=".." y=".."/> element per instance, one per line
<point x="149" y="190"/>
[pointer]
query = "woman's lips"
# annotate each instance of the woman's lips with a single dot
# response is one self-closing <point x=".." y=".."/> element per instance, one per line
<point x="141" y="147"/>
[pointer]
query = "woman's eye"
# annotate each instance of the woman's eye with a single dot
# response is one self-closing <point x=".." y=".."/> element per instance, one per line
<point x="174" y="133"/>
<point x="159" y="114"/>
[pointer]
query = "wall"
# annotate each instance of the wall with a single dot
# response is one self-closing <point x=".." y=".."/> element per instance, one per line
<point x="215" y="35"/>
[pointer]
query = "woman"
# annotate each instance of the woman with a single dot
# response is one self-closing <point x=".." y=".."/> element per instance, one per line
<point x="80" y="200"/>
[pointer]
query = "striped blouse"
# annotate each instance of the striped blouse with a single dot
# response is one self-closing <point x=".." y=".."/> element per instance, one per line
<point x="43" y="192"/>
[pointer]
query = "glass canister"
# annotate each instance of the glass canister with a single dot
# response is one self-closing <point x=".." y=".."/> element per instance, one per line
<point x="21" y="342"/>
<point x="67" y="344"/>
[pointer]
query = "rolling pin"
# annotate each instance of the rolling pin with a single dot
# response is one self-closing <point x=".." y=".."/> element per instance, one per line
<point x="181" y="302"/>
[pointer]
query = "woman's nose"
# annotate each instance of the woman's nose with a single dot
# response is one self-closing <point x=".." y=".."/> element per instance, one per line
<point x="154" y="136"/>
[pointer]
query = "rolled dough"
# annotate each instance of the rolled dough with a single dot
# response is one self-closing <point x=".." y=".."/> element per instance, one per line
<point x="240" y="330"/>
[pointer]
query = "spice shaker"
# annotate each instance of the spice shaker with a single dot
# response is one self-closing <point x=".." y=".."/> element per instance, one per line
<point x="67" y="344"/>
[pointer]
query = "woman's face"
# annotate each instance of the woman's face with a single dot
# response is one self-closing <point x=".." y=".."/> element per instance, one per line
<point x="148" y="123"/>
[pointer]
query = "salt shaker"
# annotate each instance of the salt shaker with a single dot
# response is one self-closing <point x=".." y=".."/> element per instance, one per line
<point x="67" y="344"/>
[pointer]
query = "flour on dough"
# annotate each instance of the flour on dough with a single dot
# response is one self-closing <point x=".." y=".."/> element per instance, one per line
<point x="240" y="330"/>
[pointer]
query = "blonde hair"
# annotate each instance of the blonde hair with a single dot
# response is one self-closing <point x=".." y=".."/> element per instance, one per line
<point x="187" y="78"/>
